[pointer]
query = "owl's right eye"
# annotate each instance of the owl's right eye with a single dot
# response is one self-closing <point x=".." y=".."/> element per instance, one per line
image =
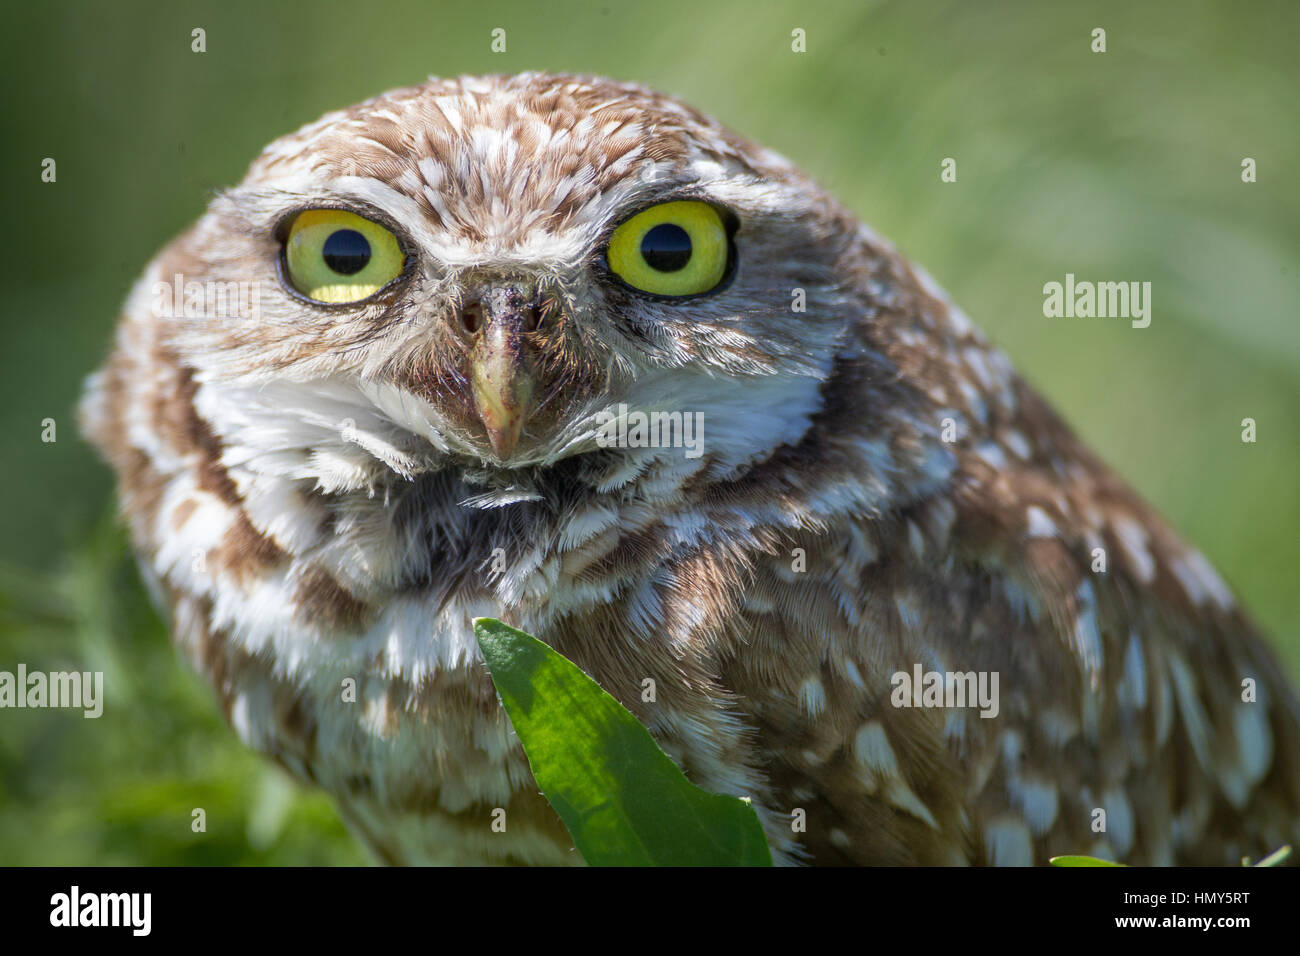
<point x="673" y="249"/>
<point x="335" y="256"/>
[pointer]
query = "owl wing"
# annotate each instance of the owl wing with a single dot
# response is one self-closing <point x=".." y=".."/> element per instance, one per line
<point x="1137" y="715"/>
<point x="1148" y="702"/>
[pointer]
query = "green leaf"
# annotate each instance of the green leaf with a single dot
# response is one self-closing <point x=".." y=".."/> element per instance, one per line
<point x="623" y="799"/>
<point x="1276" y="858"/>
<point x="1081" y="861"/>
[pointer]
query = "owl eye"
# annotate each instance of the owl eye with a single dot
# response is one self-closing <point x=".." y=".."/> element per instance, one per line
<point x="674" y="248"/>
<point x="335" y="256"/>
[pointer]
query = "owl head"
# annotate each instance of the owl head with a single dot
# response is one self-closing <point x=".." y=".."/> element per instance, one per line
<point x="480" y="272"/>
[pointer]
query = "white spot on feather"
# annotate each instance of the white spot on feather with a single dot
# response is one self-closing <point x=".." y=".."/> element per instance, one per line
<point x="1039" y="525"/>
<point x="1038" y="800"/>
<point x="1200" y="581"/>
<point x="872" y="750"/>
<point x="1133" y="541"/>
<point x="812" y="696"/>
<point x="1008" y="843"/>
<point x="901" y="796"/>
<point x="1119" y="820"/>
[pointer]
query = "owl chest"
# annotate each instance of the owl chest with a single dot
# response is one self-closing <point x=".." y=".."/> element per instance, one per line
<point x="421" y="761"/>
<point x="402" y="726"/>
<point x="399" y="720"/>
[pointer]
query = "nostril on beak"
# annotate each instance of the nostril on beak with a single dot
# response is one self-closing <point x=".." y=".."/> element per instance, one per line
<point x="471" y="318"/>
<point x="507" y="307"/>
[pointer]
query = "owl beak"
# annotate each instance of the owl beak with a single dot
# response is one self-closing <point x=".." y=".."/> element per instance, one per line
<point x="501" y="370"/>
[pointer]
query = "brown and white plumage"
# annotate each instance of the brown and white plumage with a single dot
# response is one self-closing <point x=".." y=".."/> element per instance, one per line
<point x="317" y="494"/>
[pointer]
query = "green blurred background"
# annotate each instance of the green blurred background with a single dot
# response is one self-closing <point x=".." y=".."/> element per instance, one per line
<point x="1121" y="166"/>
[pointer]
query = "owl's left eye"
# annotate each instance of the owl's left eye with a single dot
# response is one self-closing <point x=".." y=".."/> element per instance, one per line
<point x="672" y="249"/>
<point x="334" y="256"/>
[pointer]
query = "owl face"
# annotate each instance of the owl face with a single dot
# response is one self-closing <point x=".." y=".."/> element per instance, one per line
<point x="475" y="271"/>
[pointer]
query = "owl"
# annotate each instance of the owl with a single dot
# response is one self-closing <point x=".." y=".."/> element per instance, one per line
<point x="565" y="352"/>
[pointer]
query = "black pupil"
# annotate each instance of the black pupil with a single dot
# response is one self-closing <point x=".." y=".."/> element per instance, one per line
<point x="666" y="247"/>
<point x="346" y="252"/>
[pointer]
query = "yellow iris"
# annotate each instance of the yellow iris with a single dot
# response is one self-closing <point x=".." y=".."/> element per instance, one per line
<point x="674" y="248"/>
<point x="336" y="256"/>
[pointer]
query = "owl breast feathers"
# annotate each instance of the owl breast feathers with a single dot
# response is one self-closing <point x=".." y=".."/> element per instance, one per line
<point x="391" y="382"/>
